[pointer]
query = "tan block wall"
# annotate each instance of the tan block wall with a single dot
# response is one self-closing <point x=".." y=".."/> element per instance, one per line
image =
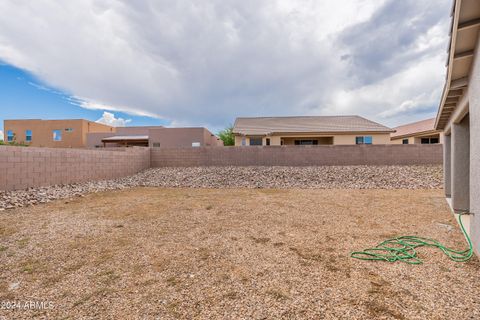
<point x="24" y="167"/>
<point x="298" y="155"/>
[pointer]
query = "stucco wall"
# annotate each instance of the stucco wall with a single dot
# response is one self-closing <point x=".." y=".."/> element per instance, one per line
<point x="411" y="140"/>
<point x="418" y="139"/>
<point x="297" y="155"/>
<point x="167" y="137"/>
<point x="42" y="132"/>
<point x="94" y="140"/>
<point x="474" y="107"/>
<point x="23" y="167"/>
<point x="350" y="139"/>
<point x="338" y="139"/>
<point x="460" y="165"/>
<point x="179" y="137"/>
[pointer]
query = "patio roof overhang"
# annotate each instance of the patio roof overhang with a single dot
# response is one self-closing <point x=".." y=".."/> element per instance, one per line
<point x="463" y="40"/>
<point x="126" y="140"/>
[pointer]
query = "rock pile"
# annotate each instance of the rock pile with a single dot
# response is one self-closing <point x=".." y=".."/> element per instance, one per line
<point x="328" y="177"/>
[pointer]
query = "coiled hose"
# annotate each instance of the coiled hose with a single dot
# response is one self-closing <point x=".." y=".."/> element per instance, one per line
<point x="404" y="249"/>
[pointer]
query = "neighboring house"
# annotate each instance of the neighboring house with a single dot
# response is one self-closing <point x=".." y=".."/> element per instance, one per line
<point x="459" y="116"/>
<point x="70" y="133"/>
<point x="121" y="136"/>
<point x="421" y="132"/>
<point x="88" y="134"/>
<point x="154" y="137"/>
<point x="183" y="137"/>
<point x="309" y="130"/>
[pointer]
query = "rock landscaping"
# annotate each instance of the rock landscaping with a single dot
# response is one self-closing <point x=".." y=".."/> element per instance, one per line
<point x="328" y="177"/>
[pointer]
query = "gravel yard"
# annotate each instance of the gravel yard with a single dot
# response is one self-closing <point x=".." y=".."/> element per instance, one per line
<point x="329" y="177"/>
<point x="167" y="253"/>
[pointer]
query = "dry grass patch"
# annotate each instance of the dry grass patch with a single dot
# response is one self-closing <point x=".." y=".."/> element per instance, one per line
<point x="237" y="253"/>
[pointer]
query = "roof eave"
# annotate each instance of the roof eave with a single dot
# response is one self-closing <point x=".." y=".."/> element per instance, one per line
<point x="420" y="133"/>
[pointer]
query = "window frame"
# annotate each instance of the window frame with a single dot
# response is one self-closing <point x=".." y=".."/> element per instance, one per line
<point x="405" y="141"/>
<point x="259" y="141"/>
<point x="306" y="142"/>
<point x="10" y="136"/>
<point x="363" y="140"/>
<point x="28" y="137"/>
<point x="54" y="137"/>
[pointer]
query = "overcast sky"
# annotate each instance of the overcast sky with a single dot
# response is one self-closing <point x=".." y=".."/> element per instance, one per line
<point x="207" y="62"/>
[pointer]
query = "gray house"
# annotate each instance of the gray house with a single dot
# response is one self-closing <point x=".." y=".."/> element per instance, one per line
<point x="459" y="116"/>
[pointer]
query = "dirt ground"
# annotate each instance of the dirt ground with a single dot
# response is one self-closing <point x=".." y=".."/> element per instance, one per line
<point x="156" y="253"/>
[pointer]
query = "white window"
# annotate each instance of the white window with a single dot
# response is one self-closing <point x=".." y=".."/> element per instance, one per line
<point x="196" y="144"/>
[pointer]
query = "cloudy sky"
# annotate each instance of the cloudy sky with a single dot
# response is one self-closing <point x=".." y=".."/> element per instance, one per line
<point x="206" y="62"/>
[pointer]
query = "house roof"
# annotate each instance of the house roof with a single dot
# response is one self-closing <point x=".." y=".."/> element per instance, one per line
<point x="125" y="138"/>
<point x="306" y="124"/>
<point x="414" y="128"/>
<point x="464" y="29"/>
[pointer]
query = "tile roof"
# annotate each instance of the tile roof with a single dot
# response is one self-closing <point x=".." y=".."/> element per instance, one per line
<point x="306" y="124"/>
<point x="414" y="128"/>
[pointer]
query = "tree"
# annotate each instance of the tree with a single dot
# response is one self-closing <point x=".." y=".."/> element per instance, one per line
<point x="226" y="135"/>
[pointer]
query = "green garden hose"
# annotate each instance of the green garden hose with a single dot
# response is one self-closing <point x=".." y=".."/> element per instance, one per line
<point x="403" y="249"/>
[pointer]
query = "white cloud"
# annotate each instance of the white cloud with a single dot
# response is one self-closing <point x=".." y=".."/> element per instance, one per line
<point x="1" y="135"/>
<point x="109" y="119"/>
<point x="396" y="99"/>
<point x="208" y="61"/>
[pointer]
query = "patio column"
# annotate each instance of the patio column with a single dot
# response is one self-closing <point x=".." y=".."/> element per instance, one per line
<point x="475" y="165"/>
<point x="460" y="165"/>
<point x="447" y="166"/>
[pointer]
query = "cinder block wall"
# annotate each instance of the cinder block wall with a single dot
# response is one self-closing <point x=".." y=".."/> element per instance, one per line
<point x="22" y="168"/>
<point x="298" y="155"/>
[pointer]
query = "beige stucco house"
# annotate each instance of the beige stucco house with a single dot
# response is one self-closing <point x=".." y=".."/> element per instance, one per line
<point x="459" y="116"/>
<point x="309" y="130"/>
<point x="69" y="133"/>
<point x="420" y="132"/>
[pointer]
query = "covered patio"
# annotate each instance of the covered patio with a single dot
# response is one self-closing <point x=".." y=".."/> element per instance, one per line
<point x="126" y="141"/>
